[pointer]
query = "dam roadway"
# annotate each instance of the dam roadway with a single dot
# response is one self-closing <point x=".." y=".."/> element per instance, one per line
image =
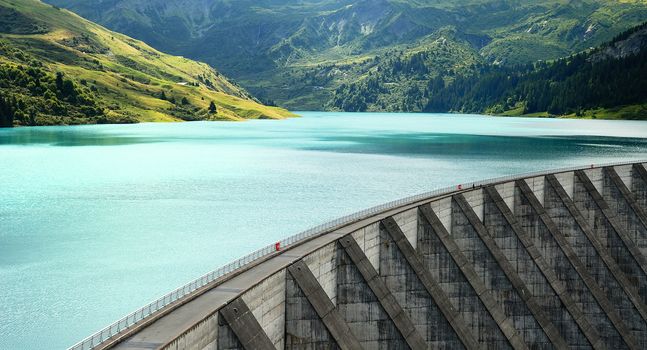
<point x="556" y="260"/>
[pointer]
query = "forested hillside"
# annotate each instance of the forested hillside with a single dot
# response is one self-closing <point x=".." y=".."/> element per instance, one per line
<point x="57" y="68"/>
<point x="607" y="82"/>
<point x="299" y="53"/>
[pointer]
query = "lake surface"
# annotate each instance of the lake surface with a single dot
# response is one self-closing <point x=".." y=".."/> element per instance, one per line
<point x="96" y="221"/>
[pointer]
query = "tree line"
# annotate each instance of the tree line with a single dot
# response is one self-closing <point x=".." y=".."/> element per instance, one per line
<point x="565" y="86"/>
<point x="584" y="81"/>
<point x="28" y="93"/>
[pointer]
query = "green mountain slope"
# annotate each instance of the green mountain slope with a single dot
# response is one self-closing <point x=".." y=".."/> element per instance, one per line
<point x="299" y="53"/>
<point x="57" y="68"/>
<point x="607" y="82"/>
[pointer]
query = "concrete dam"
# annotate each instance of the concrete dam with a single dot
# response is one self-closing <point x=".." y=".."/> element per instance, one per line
<point x="548" y="261"/>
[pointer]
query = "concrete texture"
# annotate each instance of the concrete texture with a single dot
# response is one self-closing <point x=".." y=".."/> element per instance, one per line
<point x="205" y="336"/>
<point x="548" y="291"/>
<point x="421" y="296"/>
<point x="362" y="311"/>
<point x="245" y="326"/>
<point x="407" y="222"/>
<point x="630" y="215"/>
<point x="502" y="280"/>
<point x="267" y="302"/>
<point x="378" y="296"/>
<point x="623" y="297"/>
<point x="304" y="328"/>
<point x="615" y="188"/>
<point x="323" y="265"/>
<point x="639" y="185"/>
<point x="312" y="321"/>
<point x="609" y="231"/>
<point x="624" y="172"/>
<point x="569" y="269"/>
<point x="536" y="185"/>
<point x="460" y="282"/>
<point x="506" y="192"/>
<point x="368" y="239"/>
<point x="226" y="338"/>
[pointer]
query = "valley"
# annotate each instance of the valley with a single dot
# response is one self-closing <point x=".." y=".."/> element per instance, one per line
<point x="306" y="55"/>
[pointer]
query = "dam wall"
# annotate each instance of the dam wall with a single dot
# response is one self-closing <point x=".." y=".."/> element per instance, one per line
<point x="550" y="261"/>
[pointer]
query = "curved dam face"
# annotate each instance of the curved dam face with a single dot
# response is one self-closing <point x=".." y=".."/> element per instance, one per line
<point x="552" y="261"/>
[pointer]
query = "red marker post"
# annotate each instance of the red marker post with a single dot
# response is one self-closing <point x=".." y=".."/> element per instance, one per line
<point x="277" y="246"/>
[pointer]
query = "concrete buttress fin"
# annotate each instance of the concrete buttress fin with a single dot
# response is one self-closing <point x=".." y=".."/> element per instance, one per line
<point x="409" y="291"/>
<point x="566" y="266"/>
<point x="500" y="277"/>
<point x="599" y="216"/>
<point x="319" y="303"/>
<point x="549" y="292"/>
<point x="227" y="339"/>
<point x="361" y="309"/>
<point x="304" y="328"/>
<point x="629" y="214"/>
<point x="440" y="262"/>
<point x="639" y="185"/>
<point x="245" y="326"/>
<point x="580" y="237"/>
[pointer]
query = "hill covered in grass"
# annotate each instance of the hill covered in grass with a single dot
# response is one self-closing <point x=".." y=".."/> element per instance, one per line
<point x="58" y="68"/>
<point x="304" y="54"/>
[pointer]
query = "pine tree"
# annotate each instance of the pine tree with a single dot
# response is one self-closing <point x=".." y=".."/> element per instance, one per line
<point x="59" y="81"/>
<point x="6" y="113"/>
<point x="212" y="108"/>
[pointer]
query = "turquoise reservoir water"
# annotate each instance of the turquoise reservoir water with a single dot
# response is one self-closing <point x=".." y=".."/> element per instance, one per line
<point x="96" y="221"/>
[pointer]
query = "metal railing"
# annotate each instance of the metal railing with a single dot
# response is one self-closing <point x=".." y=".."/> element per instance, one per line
<point x="135" y="318"/>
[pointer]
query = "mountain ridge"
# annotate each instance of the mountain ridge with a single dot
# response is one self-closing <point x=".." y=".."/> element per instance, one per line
<point x="270" y="46"/>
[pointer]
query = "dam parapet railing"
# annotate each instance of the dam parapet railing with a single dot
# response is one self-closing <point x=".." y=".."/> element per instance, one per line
<point x="160" y="306"/>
